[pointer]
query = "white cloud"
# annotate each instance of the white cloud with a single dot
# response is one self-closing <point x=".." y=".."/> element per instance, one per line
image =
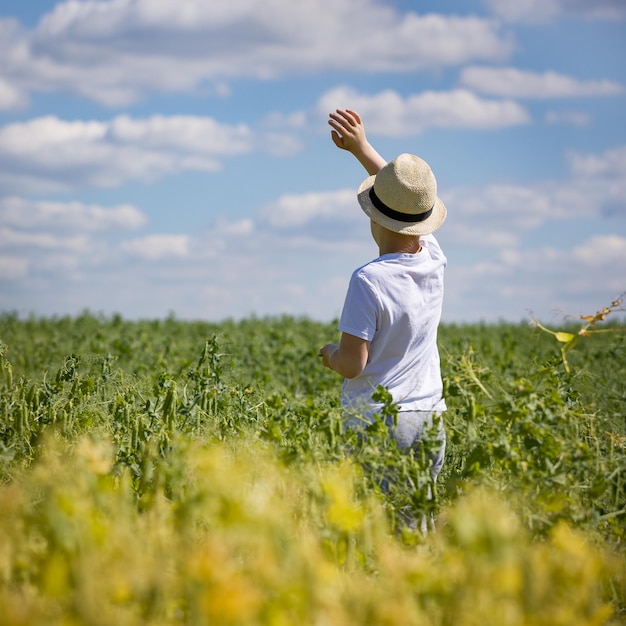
<point x="296" y="255"/>
<point x="116" y="51"/>
<point x="178" y="133"/>
<point x="511" y="82"/>
<point x="568" y="118"/>
<point x="158" y="247"/>
<point x="15" y="239"/>
<point x="35" y="138"/>
<point x="262" y="272"/>
<point x="10" y="96"/>
<point x="50" y="154"/>
<point x="279" y="144"/>
<point x="390" y="114"/>
<point x="543" y="10"/>
<point x="541" y="281"/>
<point x="613" y="248"/>
<point x="237" y="268"/>
<point x="298" y="210"/>
<point x="239" y="227"/>
<point x="495" y="237"/>
<point x="596" y="186"/>
<point x="29" y="214"/>
<point x="611" y="163"/>
<point x="295" y="120"/>
<point x="520" y="207"/>
<point x="13" y="94"/>
<point x="12" y="267"/>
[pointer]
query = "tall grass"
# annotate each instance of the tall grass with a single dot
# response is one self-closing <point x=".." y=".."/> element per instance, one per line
<point x="230" y="535"/>
<point x="176" y="472"/>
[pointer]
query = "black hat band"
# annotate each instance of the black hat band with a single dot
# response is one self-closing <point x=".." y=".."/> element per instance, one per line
<point x="396" y="215"/>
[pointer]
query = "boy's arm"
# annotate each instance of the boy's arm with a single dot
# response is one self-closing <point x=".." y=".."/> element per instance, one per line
<point x="349" y="134"/>
<point x="349" y="358"/>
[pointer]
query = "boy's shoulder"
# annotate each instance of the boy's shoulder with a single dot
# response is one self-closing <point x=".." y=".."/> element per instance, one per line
<point x="429" y="241"/>
<point x="362" y="272"/>
<point x="372" y="274"/>
<point x="434" y="249"/>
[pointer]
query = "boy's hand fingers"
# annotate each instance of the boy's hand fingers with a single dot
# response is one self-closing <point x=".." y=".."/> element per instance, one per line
<point x="349" y="116"/>
<point x="355" y="115"/>
<point x="338" y="125"/>
<point x="344" y="129"/>
<point x="340" y="119"/>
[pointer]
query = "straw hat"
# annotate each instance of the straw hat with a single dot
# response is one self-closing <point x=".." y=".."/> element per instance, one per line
<point x="402" y="197"/>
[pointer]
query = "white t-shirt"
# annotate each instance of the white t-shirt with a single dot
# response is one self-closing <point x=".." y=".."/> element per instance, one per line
<point x="395" y="303"/>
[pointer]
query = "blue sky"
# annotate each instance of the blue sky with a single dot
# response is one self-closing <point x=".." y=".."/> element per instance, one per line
<point x="173" y="157"/>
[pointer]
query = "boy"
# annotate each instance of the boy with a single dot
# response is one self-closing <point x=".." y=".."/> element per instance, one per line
<point x="393" y="305"/>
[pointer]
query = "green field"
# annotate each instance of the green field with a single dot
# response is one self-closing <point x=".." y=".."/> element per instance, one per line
<point x="171" y="472"/>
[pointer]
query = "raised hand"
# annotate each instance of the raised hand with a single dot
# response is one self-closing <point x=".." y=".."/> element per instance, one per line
<point x="349" y="134"/>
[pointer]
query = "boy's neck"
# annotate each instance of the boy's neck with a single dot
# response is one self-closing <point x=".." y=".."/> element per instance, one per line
<point x="395" y="243"/>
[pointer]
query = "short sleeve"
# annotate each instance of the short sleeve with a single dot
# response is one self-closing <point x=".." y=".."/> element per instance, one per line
<point x="359" y="315"/>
